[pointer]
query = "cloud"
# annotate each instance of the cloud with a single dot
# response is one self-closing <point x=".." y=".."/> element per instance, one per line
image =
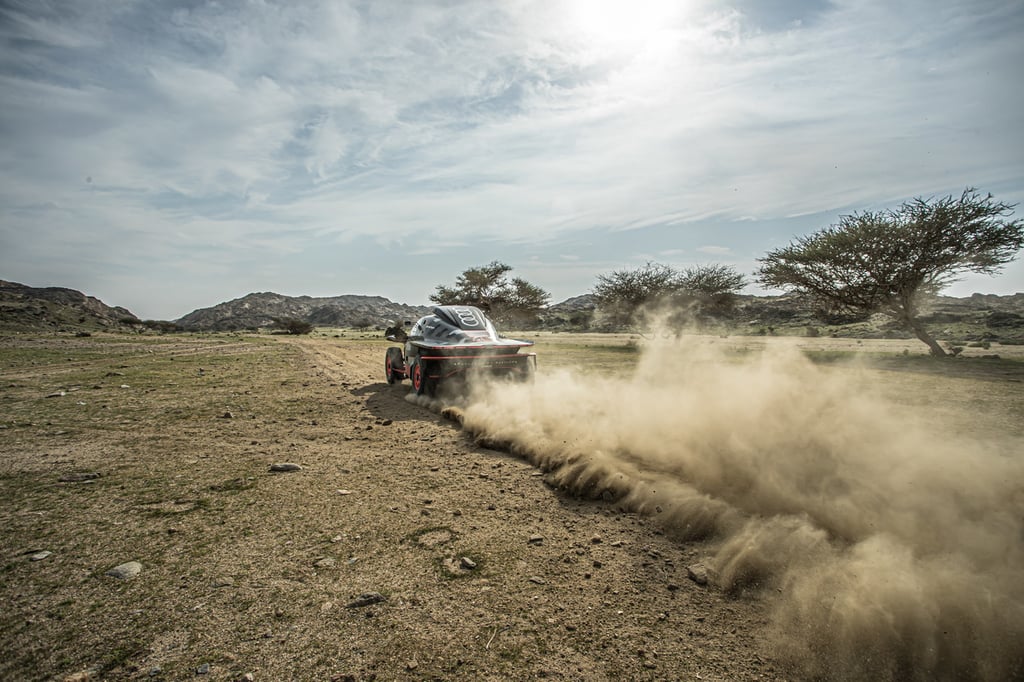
<point x="497" y="124"/>
<point x="715" y="250"/>
<point x="781" y="15"/>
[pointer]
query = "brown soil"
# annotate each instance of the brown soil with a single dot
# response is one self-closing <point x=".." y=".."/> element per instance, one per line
<point x="251" y="572"/>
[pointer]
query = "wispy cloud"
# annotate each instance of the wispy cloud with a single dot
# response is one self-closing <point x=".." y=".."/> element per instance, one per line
<point x="715" y="250"/>
<point x="272" y="129"/>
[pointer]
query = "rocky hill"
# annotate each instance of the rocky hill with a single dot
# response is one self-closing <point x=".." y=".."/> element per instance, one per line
<point x="58" y="309"/>
<point x="262" y="309"/>
<point x="980" y="317"/>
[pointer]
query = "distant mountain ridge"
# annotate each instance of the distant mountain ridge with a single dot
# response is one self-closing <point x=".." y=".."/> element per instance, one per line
<point x="263" y="309"/>
<point x="976" y="317"/>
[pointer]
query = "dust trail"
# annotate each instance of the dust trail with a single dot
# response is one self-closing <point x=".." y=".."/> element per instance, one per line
<point x="893" y="549"/>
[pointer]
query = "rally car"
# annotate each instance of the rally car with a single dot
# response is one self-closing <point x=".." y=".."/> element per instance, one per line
<point x="451" y="343"/>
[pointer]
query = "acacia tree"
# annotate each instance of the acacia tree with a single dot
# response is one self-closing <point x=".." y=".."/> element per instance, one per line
<point x="523" y="301"/>
<point x="885" y="261"/>
<point x="711" y="288"/>
<point x="624" y="295"/>
<point x="487" y="287"/>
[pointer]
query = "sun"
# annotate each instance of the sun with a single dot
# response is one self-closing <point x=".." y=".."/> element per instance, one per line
<point x="620" y="23"/>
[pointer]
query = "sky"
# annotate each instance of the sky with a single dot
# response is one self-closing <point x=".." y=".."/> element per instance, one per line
<point x="168" y="156"/>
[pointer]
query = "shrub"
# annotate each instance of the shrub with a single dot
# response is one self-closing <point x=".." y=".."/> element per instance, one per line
<point x="291" y="325"/>
<point x="162" y="326"/>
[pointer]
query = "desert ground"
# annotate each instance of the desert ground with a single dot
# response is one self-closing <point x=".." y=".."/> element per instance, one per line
<point x="563" y="529"/>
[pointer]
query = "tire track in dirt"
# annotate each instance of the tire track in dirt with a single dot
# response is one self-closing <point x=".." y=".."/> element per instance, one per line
<point x="607" y="591"/>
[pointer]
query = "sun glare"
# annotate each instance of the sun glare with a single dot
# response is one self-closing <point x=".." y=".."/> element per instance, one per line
<point x="620" y="23"/>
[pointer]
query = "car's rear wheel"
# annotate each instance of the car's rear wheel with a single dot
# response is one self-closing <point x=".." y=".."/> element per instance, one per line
<point x="422" y="382"/>
<point x="418" y="376"/>
<point x="524" y="373"/>
<point x="394" y="366"/>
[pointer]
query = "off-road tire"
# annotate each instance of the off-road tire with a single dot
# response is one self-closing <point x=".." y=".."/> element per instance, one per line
<point x="422" y="382"/>
<point x="394" y="366"/>
<point x="417" y="372"/>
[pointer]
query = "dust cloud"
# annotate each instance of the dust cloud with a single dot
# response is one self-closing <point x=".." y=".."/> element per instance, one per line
<point x="891" y="548"/>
